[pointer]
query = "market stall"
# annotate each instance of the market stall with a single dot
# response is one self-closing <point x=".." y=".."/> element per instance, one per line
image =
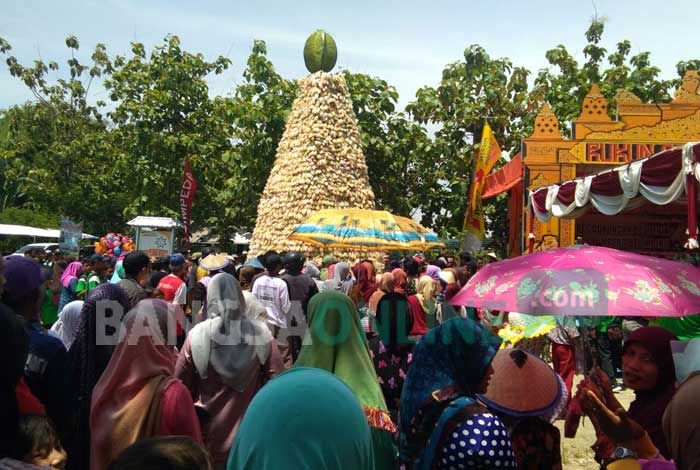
<point x="154" y="235"/>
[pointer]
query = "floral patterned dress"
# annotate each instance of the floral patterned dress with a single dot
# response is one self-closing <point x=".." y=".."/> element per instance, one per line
<point x="391" y="367"/>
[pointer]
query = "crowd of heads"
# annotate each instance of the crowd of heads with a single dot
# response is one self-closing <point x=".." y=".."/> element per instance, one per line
<point x="383" y="348"/>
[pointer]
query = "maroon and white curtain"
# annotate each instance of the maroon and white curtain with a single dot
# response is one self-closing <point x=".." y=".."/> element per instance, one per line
<point x="660" y="179"/>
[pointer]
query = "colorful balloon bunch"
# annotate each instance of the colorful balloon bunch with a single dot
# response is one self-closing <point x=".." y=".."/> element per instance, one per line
<point x="114" y="244"/>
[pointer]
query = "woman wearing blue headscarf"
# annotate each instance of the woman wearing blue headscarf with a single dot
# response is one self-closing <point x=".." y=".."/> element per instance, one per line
<point x="306" y="418"/>
<point x="442" y="425"/>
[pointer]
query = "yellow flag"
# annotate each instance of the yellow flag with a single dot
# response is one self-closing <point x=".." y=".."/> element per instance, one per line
<point x="489" y="154"/>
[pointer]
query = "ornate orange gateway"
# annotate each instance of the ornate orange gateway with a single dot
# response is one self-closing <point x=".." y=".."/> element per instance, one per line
<point x="599" y="142"/>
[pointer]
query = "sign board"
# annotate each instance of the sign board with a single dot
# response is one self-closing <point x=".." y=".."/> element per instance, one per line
<point x="71" y="234"/>
<point x="154" y="242"/>
<point x="602" y="152"/>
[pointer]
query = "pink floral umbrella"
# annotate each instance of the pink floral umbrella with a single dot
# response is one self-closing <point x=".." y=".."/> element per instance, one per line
<point x="585" y="280"/>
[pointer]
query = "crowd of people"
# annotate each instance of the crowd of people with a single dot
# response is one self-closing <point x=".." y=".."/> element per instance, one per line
<point x="204" y="360"/>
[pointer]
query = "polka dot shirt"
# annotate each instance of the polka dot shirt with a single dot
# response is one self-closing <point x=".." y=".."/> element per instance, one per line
<point x="481" y="441"/>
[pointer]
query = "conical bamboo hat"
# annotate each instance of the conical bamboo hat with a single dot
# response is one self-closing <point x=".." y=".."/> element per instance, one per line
<point x="319" y="165"/>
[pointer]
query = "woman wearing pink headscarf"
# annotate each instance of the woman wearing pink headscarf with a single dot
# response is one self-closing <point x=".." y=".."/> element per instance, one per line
<point x="69" y="282"/>
<point x="138" y="396"/>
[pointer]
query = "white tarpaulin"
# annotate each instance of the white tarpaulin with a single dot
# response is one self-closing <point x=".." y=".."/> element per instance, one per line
<point x="25" y="231"/>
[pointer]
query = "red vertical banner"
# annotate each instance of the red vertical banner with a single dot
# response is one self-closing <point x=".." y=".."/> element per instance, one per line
<point x="187" y="191"/>
<point x="515" y="222"/>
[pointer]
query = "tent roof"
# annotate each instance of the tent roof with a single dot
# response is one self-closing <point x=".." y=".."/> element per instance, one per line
<point x="148" y="221"/>
<point x="26" y="231"/>
<point x="504" y="179"/>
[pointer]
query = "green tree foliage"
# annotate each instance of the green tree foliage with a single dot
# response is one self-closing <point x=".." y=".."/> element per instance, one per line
<point x="390" y="141"/>
<point x="51" y="149"/>
<point x="32" y="218"/>
<point x="471" y="92"/>
<point x="256" y="115"/>
<point x="566" y="83"/>
<point x="162" y="114"/>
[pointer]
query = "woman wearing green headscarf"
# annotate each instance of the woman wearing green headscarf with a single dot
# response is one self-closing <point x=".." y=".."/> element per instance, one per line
<point x="294" y="422"/>
<point x="336" y="342"/>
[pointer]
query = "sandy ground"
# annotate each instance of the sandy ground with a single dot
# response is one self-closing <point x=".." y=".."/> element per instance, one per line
<point x="576" y="453"/>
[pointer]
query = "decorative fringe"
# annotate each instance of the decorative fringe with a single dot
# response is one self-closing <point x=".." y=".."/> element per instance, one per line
<point x="379" y="419"/>
<point x="692" y="244"/>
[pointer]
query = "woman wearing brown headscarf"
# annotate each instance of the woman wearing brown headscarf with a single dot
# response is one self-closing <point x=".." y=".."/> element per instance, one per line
<point x="386" y="286"/>
<point x="400" y="281"/>
<point x="245" y="277"/>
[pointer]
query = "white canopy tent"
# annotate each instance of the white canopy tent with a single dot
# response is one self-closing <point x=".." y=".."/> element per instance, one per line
<point x="155" y="222"/>
<point x="26" y="231"/>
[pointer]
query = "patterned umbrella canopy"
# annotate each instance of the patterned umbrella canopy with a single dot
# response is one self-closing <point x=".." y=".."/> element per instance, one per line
<point x="521" y="326"/>
<point x="360" y="229"/>
<point x="585" y="280"/>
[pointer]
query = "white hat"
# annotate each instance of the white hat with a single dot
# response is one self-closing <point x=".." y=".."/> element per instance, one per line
<point x="214" y="262"/>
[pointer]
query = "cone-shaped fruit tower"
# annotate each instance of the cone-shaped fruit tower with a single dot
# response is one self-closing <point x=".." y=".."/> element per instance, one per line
<point x="319" y="162"/>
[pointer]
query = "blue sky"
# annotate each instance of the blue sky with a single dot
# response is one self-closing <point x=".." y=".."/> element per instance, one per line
<point x="406" y="43"/>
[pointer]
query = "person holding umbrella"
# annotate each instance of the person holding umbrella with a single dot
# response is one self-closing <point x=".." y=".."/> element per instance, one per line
<point x="648" y="369"/>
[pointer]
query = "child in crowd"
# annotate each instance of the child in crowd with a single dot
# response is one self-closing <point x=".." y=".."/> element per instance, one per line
<point x="39" y="443"/>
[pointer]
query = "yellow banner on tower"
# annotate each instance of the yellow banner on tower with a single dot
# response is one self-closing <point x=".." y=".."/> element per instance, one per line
<point x="489" y="154"/>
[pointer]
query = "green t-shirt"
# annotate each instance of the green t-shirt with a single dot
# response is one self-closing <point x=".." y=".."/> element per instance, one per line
<point x="49" y="310"/>
<point x="86" y="283"/>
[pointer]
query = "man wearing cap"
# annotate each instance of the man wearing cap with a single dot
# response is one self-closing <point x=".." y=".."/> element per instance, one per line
<point x="174" y="290"/>
<point x="87" y="282"/>
<point x="173" y="285"/>
<point x="46" y="364"/>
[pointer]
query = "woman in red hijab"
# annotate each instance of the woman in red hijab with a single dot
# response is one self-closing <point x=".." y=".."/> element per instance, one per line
<point x="366" y="282"/>
<point x="648" y="369"/>
<point x="138" y="396"/>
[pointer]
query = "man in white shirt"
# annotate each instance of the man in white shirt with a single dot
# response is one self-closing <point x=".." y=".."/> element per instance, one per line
<point x="272" y="292"/>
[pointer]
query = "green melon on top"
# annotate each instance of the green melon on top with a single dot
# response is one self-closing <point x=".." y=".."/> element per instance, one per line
<point x="320" y="52"/>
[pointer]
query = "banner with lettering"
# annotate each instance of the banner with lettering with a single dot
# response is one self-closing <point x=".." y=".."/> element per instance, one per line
<point x="70" y="236"/>
<point x="187" y="192"/>
<point x="474" y="223"/>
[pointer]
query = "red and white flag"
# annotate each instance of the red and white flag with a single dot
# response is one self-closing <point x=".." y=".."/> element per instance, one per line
<point x="187" y="191"/>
